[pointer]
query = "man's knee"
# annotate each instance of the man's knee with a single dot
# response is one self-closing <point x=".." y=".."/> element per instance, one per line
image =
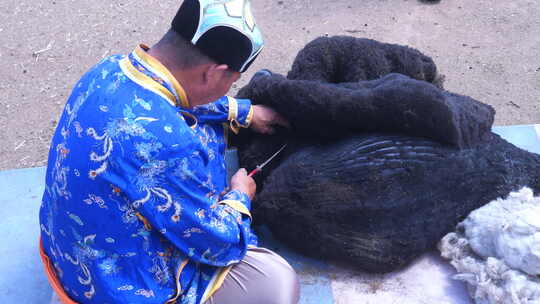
<point x="277" y="276"/>
<point x="262" y="277"/>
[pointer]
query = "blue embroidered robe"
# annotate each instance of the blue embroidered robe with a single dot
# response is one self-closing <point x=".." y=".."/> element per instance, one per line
<point x="133" y="210"/>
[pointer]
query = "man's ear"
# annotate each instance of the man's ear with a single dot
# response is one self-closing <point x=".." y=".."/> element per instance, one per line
<point x="215" y="72"/>
<point x="222" y="67"/>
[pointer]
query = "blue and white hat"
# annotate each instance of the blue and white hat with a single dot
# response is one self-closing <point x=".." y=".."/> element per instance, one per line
<point x="224" y="30"/>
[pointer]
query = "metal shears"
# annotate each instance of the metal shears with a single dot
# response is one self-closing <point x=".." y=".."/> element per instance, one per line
<point x="261" y="166"/>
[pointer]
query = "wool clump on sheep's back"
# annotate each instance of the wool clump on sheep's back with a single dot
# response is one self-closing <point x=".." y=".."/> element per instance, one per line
<point x="496" y="250"/>
<point x="381" y="161"/>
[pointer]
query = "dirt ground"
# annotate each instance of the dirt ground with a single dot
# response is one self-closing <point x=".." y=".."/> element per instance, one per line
<point x="488" y="49"/>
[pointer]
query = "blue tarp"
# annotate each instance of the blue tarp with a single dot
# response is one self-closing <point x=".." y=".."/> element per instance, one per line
<point x="22" y="279"/>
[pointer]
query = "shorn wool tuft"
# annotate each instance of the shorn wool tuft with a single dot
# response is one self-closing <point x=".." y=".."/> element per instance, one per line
<point x="496" y="250"/>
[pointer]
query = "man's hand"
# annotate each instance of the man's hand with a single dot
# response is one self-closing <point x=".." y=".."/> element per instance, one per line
<point x="242" y="182"/>
<point x="264" y="118"/>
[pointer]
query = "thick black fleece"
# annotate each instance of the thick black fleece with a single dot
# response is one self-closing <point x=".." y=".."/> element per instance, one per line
<point x="392" y="103"/>
<point x="347" y="59"/>
<point x="378" y="201"/>
<point x="381" y="163"/>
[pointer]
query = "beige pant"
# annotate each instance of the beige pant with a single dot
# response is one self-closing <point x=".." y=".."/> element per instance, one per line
<point x="262" y="277"/>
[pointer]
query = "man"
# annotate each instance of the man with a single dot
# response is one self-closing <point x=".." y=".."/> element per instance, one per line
<point x="136" y="207"/>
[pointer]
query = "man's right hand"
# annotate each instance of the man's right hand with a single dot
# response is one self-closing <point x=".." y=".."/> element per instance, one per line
<point x="242" y="182"/>
<point x="265" y="118"/>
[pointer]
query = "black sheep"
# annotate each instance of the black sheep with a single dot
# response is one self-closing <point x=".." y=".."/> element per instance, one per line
<point x="379" y="165"/>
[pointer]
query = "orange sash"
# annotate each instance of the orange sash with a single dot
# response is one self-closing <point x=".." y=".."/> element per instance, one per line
<point x="53" y="280"/>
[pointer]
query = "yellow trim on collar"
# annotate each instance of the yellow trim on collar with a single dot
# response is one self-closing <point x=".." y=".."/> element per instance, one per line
<point x="140" y="51"/>
<point x="238" y="206"/>
<point x="145" y="81"/>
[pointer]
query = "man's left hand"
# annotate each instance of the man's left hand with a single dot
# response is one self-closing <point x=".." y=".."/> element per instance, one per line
<point x="265" y="118"/>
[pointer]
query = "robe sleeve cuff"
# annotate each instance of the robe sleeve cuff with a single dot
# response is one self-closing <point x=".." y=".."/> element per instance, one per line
<point x="238" y="201"/>
<point x="240" y="114"/>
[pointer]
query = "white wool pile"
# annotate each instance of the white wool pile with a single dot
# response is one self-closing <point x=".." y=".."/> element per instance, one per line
<point x="496" y="250"/>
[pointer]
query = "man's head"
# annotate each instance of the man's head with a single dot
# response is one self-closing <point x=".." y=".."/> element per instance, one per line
<point x="210" y="43"/>
<point x="203" y="79"/>
<point x="223" y="30"/>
